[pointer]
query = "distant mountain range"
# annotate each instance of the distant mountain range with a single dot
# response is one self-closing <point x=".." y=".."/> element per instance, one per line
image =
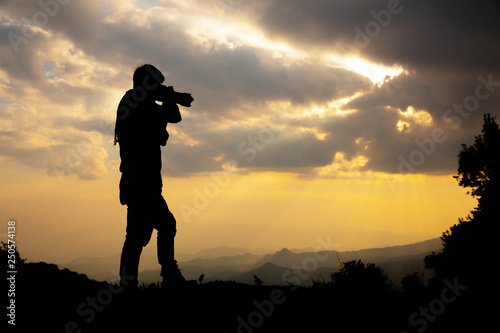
<point x="278" y="268"/>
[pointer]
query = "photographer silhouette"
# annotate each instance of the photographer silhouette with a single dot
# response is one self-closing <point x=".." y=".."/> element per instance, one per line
<point x="140" y="131"/>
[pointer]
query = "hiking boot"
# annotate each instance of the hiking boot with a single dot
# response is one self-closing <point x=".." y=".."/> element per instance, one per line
<point x="172" y="276"/>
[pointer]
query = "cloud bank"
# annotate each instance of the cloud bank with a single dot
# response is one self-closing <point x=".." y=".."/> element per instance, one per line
<point x="316" y="88"/>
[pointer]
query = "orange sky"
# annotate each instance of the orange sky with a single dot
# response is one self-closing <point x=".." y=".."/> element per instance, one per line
<point x="59" y="221"/>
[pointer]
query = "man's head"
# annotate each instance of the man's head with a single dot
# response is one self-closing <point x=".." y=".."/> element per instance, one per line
<point x="147" y="76"/>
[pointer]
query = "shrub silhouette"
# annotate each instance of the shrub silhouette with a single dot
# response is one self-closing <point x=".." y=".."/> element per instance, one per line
<point x="257" y="281"/>
<point x="357" y="277"/>
<point x="412" y="284"/>
<point x="5" y="255"/>
<point x="356" y="280"/>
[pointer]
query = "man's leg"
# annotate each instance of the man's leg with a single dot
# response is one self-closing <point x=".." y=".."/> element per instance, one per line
<point x="167" y="228"/>
<point x="139" y="230"/>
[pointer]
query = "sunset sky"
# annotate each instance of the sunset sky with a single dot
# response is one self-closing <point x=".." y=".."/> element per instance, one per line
<point x="312" y="119"/>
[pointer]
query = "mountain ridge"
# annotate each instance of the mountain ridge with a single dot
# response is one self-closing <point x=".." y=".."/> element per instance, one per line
<point x="239" y="266"/>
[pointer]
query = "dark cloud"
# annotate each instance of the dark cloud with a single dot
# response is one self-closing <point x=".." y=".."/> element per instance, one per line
<point x="380" y="110"/>
<point x="77" y="20"/>
<point x="417" y="33"/>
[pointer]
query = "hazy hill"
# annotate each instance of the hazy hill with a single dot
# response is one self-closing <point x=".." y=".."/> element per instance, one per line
<point x="95" y="267"/>
<point x="221" y="251"/>
<point x="271" y="274"/>
<point x="103" y="268"/>
<point x="287" y="258"/>
<point x="236" y="260"/>
<point x="393" y="252"/>
<point x="237" y="263"/>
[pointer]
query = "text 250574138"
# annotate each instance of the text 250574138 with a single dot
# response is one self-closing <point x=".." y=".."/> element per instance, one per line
<point x="11" y="272"/>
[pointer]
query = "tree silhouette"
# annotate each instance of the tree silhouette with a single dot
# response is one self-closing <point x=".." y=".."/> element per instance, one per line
<point x="479" y="169"/>
<point x="472" y="241"/>
<point x="469" y="247"/>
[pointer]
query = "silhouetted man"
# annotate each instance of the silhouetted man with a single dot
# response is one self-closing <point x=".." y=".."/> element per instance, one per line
<point x="140" y="131"/>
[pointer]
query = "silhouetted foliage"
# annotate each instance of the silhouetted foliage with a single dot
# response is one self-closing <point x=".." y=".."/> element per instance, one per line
<point x="472" y="240"/>
<point x="479" y="169"/>
<point x="412" y="284"/>
<point x="356" y="280"/>
<point x="358" y="277"/>
<point x="257" y="281"/>
<point x="469" y="247"/>
<point x="359" y="288"/>
<point x="5" y="255"/>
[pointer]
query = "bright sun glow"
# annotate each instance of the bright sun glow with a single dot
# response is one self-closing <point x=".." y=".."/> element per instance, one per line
<point x="340" y="165"/>
<point x="421" y="117"/>
<point x="412" y="117"/>
<point x="375" y="72"/>
<point x="232" y="34"/>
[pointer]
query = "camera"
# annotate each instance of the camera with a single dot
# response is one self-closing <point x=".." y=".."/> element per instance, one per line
<point x="168" y="94"/>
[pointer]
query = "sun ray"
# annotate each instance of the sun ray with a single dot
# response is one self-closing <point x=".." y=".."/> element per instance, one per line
<point x="377" y="73"/>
